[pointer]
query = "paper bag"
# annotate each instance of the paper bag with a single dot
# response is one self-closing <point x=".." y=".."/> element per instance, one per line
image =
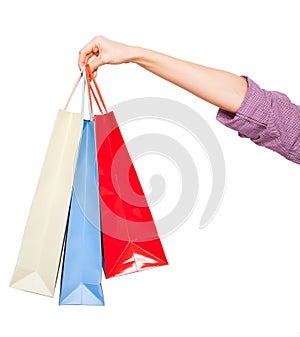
<point x="40" y="252"/>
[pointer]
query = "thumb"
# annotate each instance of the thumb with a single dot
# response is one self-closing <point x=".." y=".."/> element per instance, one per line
<point x="96" y="63"/>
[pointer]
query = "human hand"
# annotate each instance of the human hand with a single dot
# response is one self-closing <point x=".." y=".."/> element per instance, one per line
<point x="100" y="51"/>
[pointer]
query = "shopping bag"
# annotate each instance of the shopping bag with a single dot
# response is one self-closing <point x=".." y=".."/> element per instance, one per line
<point x="129" y="236"/>
<point x="38" y="261"/>
<point x="82" y="263"/>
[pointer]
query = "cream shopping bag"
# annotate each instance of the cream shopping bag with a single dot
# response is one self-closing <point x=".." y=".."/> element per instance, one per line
<point x="40" y="252"/>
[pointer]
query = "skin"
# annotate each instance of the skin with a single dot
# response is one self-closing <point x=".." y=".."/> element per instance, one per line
<point x="218" y="87"/>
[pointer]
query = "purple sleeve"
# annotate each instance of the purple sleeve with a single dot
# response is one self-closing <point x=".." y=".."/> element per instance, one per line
<point x="269" y="119"/>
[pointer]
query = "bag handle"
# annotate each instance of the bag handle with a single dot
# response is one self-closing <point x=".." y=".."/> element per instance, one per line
<point x="73" y="90"/>
<point x="91" y="79"/>
<point x="84" y="96"/>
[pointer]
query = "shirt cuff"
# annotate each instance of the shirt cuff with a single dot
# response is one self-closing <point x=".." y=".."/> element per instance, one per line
<point x="252" y="117"/>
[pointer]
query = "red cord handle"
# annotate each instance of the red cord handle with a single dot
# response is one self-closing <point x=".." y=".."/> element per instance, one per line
<point x="91" y="79"/>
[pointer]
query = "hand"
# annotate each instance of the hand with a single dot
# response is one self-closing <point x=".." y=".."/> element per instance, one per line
<point x="100" y="51"/>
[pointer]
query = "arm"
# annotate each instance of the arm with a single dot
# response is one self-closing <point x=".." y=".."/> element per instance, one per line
<point x="217" y="87"/>
<point x="268" y="118"/>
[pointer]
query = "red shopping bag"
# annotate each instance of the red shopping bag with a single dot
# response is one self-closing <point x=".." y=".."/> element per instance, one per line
<point x="130" y="239"/>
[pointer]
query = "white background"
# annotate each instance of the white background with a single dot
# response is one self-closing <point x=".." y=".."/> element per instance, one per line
<point x="240" y="276"/>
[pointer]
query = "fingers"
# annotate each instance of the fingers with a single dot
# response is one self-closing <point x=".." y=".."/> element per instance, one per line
<point x="91" y="50"/>
<point x="84" y="55"/>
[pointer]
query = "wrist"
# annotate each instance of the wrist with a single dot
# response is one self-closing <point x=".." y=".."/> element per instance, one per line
<point x="135" y="54"/>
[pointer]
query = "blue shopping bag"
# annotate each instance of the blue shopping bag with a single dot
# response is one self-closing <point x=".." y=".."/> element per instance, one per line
<point x="82" y="263"/>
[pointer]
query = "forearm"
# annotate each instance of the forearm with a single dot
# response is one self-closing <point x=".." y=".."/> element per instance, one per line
<point x="217" y="87"/>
